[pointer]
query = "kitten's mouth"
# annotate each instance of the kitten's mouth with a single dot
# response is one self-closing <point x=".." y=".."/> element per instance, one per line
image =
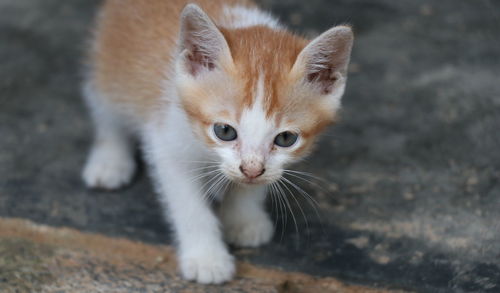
<point x="261" y="180"/>
<point x="252" y="181"/>
<point x="248" y="181"/>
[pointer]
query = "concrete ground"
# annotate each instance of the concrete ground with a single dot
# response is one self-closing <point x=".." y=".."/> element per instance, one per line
<point x="410" y="192"/>
<point x="37" y="258"/>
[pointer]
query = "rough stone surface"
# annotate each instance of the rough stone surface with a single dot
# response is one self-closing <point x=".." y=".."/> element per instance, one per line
<point x="410" y="188"/>
<point x="37" y="258"/>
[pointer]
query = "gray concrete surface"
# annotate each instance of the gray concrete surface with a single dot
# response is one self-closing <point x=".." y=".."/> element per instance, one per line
<point x="410" y="196"/>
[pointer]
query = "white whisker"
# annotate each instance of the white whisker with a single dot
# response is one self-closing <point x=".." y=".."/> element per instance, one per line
<point x="288" y="171"/>
<point x="274" y="208"/>
<point x="312" y="202"/>
<point x="212" y="182"/>
<point x="299" y="206"/>
<point x="290" y="209"/>
<point x="287" y="205"/>
<point x="203" y="175"/>
<point x="211" y="193"/>
<point x="282" y="211"/>
<point x="308" y="181"/>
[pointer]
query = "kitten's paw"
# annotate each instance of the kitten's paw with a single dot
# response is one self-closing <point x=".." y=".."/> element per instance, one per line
<point x="251" y="233"/>
<point x="211" y="267"/>
<point x="108" y="168"/>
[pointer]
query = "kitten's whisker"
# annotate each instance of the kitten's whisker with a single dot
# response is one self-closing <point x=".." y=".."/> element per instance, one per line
<point x="199" y="162"/>
<point x="203" y="168"/>
<point x="215" y="185"/>
<point x="291" y="211"/>
<point x="220" y="187"/>
<point x="279" y="210"/>
<point x="300" y="190"/>
<point x="202" y="171"/>
<point x="209" y="194"/>
<point x="273" y="204"/>
<point x="283" y="215"/>
<point x="308" y="181"/>
<point x="306" y="174"/>
<point x="203" y="175"/>
<point x="210" y="181"/>
<point x="298" y="204"/>
<point x="227" y="186"/>
<point x="287" y="205"/>
<point x="312" y="202"/>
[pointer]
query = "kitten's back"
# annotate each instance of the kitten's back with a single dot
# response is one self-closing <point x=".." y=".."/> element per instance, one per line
<point x="133" y="47"/>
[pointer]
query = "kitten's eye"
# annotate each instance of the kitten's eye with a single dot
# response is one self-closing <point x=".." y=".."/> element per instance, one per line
<point x="225" y="132"/>
<point x="286" y="139"/>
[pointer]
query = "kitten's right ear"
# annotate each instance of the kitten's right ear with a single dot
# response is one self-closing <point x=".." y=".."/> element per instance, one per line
<point x="325" y="59"/>
<point x="202" y="45"/>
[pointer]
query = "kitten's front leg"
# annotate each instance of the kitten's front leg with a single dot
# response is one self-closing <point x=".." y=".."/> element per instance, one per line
<point x="203" y="256"/>
<point x="244" y="218"/>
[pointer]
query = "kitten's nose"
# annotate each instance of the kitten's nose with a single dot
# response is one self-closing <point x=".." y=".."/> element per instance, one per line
<point x="252" y="170"/>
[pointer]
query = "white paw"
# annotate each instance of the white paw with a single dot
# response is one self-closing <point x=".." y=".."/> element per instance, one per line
<point x="251" y="233"/>
<point x="108" y="168"/>
<point x="210" y="267"/>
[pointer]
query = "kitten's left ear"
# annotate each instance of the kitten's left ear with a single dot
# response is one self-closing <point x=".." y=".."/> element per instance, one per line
<point x="202" y="45"/>
<point x="324" y="61"/>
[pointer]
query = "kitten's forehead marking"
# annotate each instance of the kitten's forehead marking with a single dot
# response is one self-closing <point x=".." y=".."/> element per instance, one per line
<point x="255" y="125"/>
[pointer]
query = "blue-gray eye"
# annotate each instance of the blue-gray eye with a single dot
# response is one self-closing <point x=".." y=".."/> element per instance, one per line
<point x="225" y="132"/>
<point x="286" y="139"/>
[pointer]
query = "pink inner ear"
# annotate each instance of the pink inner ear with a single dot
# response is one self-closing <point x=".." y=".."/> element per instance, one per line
<point x="326" y="79"/>
<point x="197" y="61"/>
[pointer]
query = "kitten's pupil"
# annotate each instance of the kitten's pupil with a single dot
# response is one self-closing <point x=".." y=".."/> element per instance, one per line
<point x="225" y="132"/>
<point x="286" y="139"/>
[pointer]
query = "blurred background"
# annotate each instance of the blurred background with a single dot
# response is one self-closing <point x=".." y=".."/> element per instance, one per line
<point x="409" y="190"/>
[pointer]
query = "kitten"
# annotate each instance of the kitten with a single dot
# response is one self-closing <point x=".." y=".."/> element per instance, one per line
<point x="216" y="92"/>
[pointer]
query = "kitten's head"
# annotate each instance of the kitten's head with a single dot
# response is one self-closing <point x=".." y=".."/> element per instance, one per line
<point x="258" y="96"/>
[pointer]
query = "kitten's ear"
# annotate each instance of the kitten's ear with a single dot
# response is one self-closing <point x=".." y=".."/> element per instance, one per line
<point x="202" y="45"/>
<point x="325" y="59"/>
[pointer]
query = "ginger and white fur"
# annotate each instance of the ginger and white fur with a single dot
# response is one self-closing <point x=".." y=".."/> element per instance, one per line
<point x="161" y="73"/>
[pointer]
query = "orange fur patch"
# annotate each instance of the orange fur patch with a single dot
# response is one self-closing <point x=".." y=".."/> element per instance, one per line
<point x="260" y="51"/>
<point x="133" y="45"/>
<point x="132" y="53"/>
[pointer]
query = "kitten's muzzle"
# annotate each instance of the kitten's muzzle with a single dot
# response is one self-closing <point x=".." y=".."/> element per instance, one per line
<point x="252" y="171"/>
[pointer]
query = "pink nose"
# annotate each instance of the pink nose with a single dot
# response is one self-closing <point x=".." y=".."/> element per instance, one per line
<point x="252" y="171"/>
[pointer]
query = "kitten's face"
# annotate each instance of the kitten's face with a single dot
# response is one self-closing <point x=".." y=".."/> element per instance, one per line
<point x="254" y="134"/>
<point x="261" y="99"/>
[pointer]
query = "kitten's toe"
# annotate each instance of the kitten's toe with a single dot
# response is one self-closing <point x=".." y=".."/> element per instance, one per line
<point x="108" y="170"/>
<point x="252" y="233"/>
<point x="209" y="268"/>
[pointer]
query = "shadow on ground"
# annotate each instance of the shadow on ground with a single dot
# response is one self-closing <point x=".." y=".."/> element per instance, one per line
<point x="410" y="188"/>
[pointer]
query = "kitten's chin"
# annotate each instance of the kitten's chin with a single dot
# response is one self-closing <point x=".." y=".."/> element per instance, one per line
<point x="256" y="181"/>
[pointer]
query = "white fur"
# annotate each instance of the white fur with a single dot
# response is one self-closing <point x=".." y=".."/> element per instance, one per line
<point x="178" y="158"/>
<point x="256" y="133"/>
<point x="245" y="221"/>
<point x="242" y="17"/>
<point x="173" y="153"/>
<point x="110" y="163"/>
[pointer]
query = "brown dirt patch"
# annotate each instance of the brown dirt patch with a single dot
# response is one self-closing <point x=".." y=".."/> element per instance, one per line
<point x="37" y="258"/>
